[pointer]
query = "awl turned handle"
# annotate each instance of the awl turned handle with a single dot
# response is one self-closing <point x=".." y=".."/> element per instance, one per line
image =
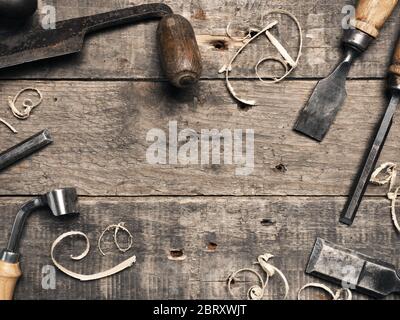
<point x="9" y="275"/>
<point x="371" y="15"/>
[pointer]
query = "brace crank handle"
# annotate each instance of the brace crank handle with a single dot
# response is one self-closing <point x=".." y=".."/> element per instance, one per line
<point x="371" y="15"/>
<point x="9" y="275"/>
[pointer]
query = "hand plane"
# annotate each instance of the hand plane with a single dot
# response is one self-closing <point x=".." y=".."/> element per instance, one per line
<point x="179" y="53"/>
<point x="353" y="270"/>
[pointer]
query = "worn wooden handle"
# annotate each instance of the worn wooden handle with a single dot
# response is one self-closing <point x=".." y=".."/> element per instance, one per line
<point x="9" y="275"/>
<point x="395" y="67"/>
<point x="179" y="52"/>
<point x="371" y="15"/>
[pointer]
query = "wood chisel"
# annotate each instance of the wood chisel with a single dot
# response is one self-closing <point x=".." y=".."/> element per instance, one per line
<point x="179" y="51"/>
<point x="353" y="270"/>
<point x="330" y="93"/>
<point x="25" y="149"/>
<point x="365" y="173"/>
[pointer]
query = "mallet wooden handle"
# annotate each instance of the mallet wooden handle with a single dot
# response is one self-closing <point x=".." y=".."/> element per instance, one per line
<point x="179" y="53"/>
<point x="9" y="275"/>
<point x="371" y="15"/>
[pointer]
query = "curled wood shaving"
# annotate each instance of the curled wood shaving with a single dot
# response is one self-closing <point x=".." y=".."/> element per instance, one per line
<point x="281" y="49"/>
<point x="335" y="296"/>
<point x="9" y="126"/>
<point x="27" y="104"/>
<point x="282" y="62"/>
<point x="243" y="39"/>
<point x="124" y="265"/>
<point x="117" y="227"/>
<point x="287" y="59"/>
<point x="270" y="270"/>
<point x="389" y="172"/>
<point x="257" y="292"/>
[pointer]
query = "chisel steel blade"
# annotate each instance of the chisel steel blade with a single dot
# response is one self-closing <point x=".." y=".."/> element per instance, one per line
<point x="364" y="176"/>
<point x="324" y="104"/>
<point x="353" y="270"/>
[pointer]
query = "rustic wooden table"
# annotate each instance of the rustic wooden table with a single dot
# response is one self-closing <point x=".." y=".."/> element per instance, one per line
<point x="100" y="105"/>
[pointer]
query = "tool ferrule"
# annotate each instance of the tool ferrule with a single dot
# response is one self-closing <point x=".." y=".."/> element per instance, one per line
<point x="357" y="40"/>
<point x="9" y="257"/>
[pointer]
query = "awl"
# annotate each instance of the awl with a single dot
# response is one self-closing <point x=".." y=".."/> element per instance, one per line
<point x="353" y="270"/>
<point x="330" y="93"/>
<point x="364" y="176"/>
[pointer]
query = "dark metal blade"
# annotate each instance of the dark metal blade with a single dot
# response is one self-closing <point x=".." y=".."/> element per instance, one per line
<point x="68" y="36"/>
<point x="364" y="176"/>
<point x="25" y="149"/>
<point x="40" y="44"/>
<point x="329" y="95"/>
<point x="352" y="270"/>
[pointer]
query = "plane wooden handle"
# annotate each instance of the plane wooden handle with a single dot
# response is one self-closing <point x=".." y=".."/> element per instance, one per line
<point x="9" y="275"/>
<point x="179" y="52"/>
<point x="395" y="67"/>
<point x="371" y="15"/>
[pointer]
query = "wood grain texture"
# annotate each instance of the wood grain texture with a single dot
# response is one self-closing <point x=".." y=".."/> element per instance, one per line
<point x="216" y="235"/>
<point x="131" y="52"/>
<point x="100" y="131"/>
<point x="218" y="221"/>
<point x="371" y="15"/>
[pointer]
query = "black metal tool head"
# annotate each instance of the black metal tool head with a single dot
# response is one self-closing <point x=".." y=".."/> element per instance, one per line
<point x="324" y="104"/>
<point x="330" y="93"/>
<point x="62" y="202"/>
<point x="353" y="270"/>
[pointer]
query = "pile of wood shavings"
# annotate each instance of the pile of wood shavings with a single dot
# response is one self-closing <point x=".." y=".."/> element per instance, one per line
<point x="119" y="268"/>
<point x="286" y="62"/>
<point x="335" y="296"/>
<point x="257" y="292"/>
<point x="389" y="170"/>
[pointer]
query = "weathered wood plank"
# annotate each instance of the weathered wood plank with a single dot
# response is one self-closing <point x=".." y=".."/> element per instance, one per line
<point x="100" y="131"/>
<point x="131" y="52"/>
<point x="234" y="228"/>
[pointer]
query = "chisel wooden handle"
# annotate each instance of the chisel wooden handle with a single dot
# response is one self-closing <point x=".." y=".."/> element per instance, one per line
<point x="179" y="53"/>
<point x="395" y="67"/>
<point x="371" y="15"/>
<point x="9" y="275"/>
